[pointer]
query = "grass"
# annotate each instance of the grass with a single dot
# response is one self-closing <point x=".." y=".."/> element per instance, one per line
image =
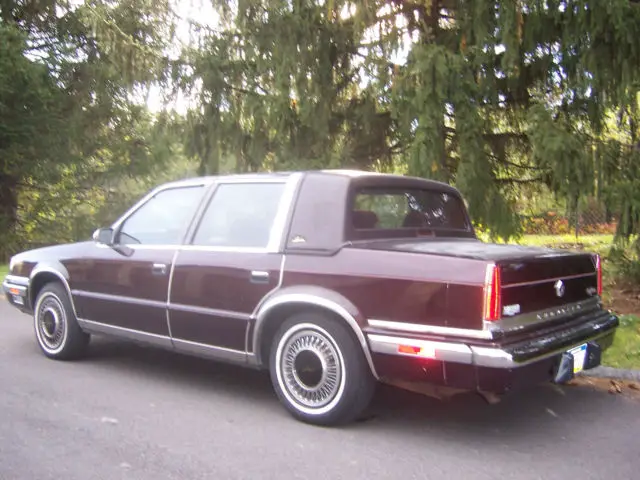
<point x="4" y="269"/>
<point x="591" y="243"/>
<point x="625" y="351"/>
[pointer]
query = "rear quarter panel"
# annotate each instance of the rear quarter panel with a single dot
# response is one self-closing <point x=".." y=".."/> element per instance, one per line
<point x="397" y="286"/>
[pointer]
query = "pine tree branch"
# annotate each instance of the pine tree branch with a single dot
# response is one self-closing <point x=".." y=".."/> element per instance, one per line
<point x="520" y="181"/>
<point x="504" y="161"/>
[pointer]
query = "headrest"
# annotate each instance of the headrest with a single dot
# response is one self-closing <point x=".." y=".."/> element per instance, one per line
<point x="364" y="219"/>
<point x="414" y="219"/>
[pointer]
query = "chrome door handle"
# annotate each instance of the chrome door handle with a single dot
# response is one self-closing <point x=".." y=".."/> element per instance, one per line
<point x="159" y="269"/>
<point x="259" y="276"/>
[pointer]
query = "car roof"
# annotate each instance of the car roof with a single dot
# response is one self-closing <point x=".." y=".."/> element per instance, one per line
<point x="262" y="176"/>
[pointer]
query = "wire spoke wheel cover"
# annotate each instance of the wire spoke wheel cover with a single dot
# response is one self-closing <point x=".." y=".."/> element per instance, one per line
<point x="50" y="323"/>
<point x="310" y="369"/>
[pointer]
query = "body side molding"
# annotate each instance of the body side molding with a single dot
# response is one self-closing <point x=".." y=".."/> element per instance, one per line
<point x="90" y="326"/>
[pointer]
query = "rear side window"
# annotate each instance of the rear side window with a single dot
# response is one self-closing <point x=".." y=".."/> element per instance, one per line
<point x="393" y="209"/>
<point x="240" y="215"/>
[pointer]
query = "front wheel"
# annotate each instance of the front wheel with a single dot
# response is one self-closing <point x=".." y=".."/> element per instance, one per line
<point x="319" y="371"/>
<point x="57" y="331"/>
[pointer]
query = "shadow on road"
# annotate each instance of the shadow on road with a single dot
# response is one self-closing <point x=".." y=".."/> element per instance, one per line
<point x="527" y="417"/>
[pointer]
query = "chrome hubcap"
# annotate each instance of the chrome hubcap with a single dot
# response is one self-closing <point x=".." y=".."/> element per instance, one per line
<point x="51" y="323"/>
<point x="311" y="368"/>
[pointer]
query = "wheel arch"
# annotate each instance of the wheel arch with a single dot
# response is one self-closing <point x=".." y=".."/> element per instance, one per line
<point x="287" y="302"/>
<point x="44" y="273"/>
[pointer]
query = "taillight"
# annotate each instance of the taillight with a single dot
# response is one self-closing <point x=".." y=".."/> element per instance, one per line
<point x="598" y="262"/>
<point x="492" y="300"/>
<point x="420" y="350"/>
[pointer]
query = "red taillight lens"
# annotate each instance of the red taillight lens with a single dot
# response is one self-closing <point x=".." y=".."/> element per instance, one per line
<point x="492" y="300"/>
<point x="598" y="262"/>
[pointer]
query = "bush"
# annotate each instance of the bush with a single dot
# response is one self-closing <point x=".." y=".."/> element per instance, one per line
<point x="626" y="262"/>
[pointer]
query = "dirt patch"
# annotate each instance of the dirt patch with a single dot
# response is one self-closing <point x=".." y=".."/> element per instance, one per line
<point x="623" y="299"/>
<point x="626" y="388"/>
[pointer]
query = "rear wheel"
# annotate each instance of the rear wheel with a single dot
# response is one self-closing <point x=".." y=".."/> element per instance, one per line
<point x="57" y="331"/>
<point x="319" y="371"/>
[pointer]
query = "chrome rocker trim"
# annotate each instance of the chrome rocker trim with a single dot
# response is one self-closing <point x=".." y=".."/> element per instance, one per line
<point x="174" y="344"/>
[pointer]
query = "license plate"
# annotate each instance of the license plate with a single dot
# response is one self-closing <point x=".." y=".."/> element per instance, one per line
<point x="579" y="353"/>
<point x="18" y="300"/>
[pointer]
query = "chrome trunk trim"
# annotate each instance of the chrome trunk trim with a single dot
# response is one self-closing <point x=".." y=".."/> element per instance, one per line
<point x="549" y="280"/>
<point x="509" y="325"/>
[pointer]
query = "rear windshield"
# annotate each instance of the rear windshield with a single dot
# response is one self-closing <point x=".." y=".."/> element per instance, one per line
<point x="378" y="209"/>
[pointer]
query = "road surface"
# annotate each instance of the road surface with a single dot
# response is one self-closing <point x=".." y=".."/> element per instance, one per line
<point x="130" y="412"/>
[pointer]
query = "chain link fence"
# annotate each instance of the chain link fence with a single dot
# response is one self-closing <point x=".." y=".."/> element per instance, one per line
<point x="588" y="217"/>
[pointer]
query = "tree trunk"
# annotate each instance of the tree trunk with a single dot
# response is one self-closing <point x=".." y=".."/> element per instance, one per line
<point x="8" y="214"/>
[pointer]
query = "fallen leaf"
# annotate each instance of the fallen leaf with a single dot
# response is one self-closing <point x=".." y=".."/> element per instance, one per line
<point x="634" y="386"/>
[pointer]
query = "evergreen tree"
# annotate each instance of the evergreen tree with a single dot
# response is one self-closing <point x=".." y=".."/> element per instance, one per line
<point x="69" y="77"/>
<point x="492" y="94"/>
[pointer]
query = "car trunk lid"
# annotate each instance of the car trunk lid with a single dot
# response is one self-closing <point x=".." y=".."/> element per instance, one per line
<point x="529" y="280"/>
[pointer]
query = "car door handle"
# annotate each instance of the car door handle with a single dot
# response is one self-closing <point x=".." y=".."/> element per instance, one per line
<point x="259" y="276"/>
<point x="159" y="269"/>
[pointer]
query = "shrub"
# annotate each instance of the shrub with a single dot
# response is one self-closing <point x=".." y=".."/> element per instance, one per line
<point x="626" y="262"/>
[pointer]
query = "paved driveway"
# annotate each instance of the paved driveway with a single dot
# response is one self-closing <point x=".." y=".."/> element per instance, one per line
<point x="131" y="412"/>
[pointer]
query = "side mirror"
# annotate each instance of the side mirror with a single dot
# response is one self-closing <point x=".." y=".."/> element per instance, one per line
<point x="103" y="235"/>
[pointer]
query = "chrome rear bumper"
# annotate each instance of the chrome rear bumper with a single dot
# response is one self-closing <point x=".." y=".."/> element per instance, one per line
<point x="505" y="356"/>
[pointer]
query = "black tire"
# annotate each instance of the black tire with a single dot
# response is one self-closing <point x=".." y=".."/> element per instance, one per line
<point x="56" y="328"/>
<point x="319" y="371"/>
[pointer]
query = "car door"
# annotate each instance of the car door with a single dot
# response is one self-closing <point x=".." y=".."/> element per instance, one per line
<point x="231" y="263"/>
<point x="125" y="285"/>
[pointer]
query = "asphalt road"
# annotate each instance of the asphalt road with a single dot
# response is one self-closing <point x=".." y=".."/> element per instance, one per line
<point x="129" y="412"/>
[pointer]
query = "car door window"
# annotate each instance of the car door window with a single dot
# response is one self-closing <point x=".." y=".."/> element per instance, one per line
<point x="163" y="219"/>
<point x="240" y="215"/>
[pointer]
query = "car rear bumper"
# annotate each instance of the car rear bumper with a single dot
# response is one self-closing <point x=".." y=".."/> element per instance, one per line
<point x="493" y="366"/>
<point x="16" y="289"/>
